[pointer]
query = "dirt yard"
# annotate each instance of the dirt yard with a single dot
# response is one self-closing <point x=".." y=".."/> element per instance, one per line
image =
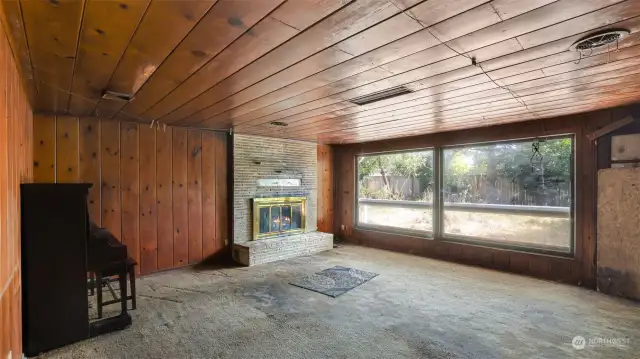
<point x="498" y="227"/>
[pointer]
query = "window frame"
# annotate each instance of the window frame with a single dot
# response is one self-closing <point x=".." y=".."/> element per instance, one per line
<point x="389" y="229"/>
<point x="437" y="232"/>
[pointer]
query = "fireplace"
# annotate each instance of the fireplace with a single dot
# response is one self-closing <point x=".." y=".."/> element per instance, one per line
<point x="278" y="216"/>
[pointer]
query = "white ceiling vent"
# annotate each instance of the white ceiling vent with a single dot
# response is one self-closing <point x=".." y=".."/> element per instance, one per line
<point x="598" y="40"/>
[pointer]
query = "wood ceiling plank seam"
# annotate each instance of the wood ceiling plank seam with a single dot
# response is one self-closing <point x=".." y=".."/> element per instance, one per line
<point x="608" y="79"/>
<point x="179" y="115"/>
<point x="479" y="65"/>
<point x="507" y="55"/>
<point x="299" y="33"/>
<point x="171" y="119"/>
<point x="437" y="113"/>
<point x="374" y="123"/>
<point x="552" y="113"/>
<point x="265" y="116"/>
<point x="561" y="85"/>
<point x="116" y="111"/>
<point x="413" y="102"/>
<point x="621" y="7"/>
<point x="472" y="122"/>
<point x="75" y="58"/>
<point x="374" y="49"/>
<point x="582" y="72"/>
<point x="461" y="36"/>
<point x="14" y="26"/>
<point x="450" y="116"/>
<point x="247" y="31"/>
<point x="388" y="103"/>
<point x="190" y="118"/>
<point x="546" y="16"/>
<point x="46" y="24"/>
<point x="453" y="114"/>
<point x="461" y="117"/>
<point x="144" y="14"/>
<point x="101" y="47"/>
<point x="375" y="83"/>
<point x="502" y="120"/>
<point x="344" y="41"/>
<point x="417" y="21"/>
<point x="491" y="120"/>
<point x="424" y="107"/>
<point x="127" y="113"/>
<point x="402" y="110"/>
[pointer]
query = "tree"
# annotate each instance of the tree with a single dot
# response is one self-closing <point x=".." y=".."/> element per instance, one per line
<point x="479" y="174"/>
<point x="411" y="165"/>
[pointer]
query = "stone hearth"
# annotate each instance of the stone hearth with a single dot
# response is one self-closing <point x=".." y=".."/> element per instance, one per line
<point x="275" y="249"/>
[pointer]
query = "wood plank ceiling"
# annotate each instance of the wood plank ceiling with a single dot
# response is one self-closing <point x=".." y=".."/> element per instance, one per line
<point x="246" y="64"/>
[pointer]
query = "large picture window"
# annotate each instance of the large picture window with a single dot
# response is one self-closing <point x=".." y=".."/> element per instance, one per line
<point x="507" y="194"/>
<point x="396" y="191"/>
<point x="514" y="193"/>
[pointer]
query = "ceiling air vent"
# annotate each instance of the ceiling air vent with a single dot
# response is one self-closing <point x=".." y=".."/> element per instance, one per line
<point x="598" y="39"/>
<point x="278" y="123"/>
<point x="381" y="95"/>
<point x="116" y="96"/>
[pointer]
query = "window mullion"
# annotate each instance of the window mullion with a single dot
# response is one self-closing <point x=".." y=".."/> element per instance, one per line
<point x="437" y="193"/>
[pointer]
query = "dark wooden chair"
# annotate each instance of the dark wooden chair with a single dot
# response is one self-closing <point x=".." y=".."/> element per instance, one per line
<point x="121" y="270"/>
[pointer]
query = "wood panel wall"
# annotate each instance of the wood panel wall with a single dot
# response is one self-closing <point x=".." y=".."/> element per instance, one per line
<point x="163" y="193"/>
<point x="325" y="188"/>
<point x="580" y="270"/>
<point x="15" y="168"/>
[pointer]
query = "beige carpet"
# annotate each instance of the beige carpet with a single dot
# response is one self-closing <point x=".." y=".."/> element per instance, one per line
<point x="415" y="308"/>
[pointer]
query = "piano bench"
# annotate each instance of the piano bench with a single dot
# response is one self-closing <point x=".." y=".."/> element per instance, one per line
<point x="120" y="269"/>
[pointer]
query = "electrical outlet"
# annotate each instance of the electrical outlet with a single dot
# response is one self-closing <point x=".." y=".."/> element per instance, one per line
<point x="342" y="227"/>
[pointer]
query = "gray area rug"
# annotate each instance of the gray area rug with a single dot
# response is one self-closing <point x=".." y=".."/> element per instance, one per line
<point x="334" y="281"/>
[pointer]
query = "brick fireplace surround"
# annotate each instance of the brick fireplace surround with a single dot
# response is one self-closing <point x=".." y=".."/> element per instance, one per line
<point x="256" y="158"/>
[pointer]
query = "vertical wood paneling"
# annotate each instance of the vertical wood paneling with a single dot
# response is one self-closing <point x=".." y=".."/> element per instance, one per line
<point x="44" y="151"/>
<point x="194" y="194"/>
<point x="16" y="166"/>
<point x="90" y="164"/>
<point x="222" y="195"/>
<point x="180" y="206"/>
<point x="110" y="170"/>
<point x="209" y="234"/>
<point x="325" y="188"/>
<point x="66" y="149"/>
<point x="5" y="263"/>
<point x="148" y="224"/>
<point x="164" y="189"/>
<point x="129" y="177"/>
<point x="161" y="192"/>
<point x="6" y="259"/>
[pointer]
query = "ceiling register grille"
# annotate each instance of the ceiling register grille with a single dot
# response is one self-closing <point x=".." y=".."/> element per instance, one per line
<point x="598" y="40"/>
<point x="381" y="95"/>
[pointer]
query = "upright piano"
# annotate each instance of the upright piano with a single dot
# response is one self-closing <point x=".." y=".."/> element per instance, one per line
<point x="59" y="247"/>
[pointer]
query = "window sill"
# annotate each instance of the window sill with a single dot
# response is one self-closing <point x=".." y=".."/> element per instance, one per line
<point x="395" y="230"/>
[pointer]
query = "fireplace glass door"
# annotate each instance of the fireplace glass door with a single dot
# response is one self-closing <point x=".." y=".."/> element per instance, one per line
<point x="278" y="216"/>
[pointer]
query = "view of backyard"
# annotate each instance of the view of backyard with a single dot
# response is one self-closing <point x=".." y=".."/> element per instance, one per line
<point x="517" y="192"/>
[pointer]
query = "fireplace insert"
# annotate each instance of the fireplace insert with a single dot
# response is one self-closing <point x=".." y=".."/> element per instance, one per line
<point x="278" y="216"/>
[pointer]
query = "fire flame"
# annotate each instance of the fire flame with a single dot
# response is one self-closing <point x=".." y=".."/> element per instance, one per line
<point x="284" y="219"/>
